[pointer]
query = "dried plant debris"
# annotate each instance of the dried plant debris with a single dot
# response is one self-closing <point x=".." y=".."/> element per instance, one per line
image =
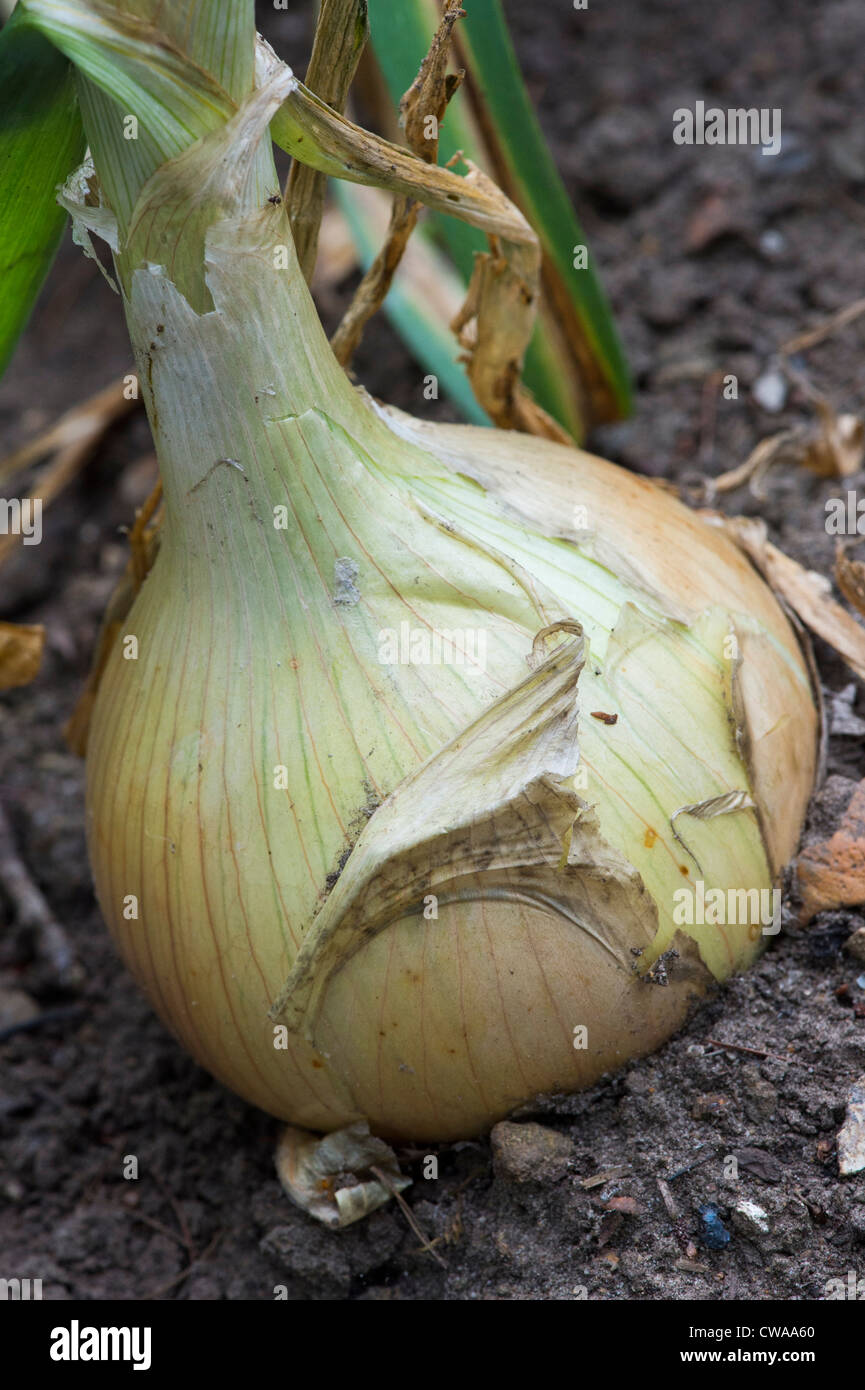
<point x="850" y="578"/>
<point x="806" y="592"/>
<point x="812" y="336"/>
<point x="34" y="913"/>
<point x="340" y="38"/>
<point x="70" y="442"/>
<point x="496" y="322"/>
<point x="831" y="447"/>
<point x="340" y="1178"/>
<point x="421" y="111"/>
<point x="21" y="647"/>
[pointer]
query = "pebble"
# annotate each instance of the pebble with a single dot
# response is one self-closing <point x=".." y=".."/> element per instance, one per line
<point x="16" y="1007"/>
<point x="770" y="390"/>
<point x="529" y="1152"/>
<point x="855" y="944"/>
<point x="759" y="1164"/>
<point x="750" y="1219"/>
<point x="842" y="720"/>
<point x="772" y="243"/>
<point x="851" y="1137"/>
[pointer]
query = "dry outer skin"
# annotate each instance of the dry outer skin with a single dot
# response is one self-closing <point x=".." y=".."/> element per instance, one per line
<point x="546" y="486"/>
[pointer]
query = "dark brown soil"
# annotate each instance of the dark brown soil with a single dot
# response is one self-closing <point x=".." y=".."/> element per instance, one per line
<point x="713" y="258"/>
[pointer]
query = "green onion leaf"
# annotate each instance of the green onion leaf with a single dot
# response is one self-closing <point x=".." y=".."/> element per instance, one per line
<point x="41" y="141"/>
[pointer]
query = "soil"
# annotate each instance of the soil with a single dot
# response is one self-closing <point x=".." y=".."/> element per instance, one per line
<point x="712" y="259"/>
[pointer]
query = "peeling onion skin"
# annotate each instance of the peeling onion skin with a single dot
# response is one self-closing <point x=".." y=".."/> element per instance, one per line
<point x="243" y="767"/>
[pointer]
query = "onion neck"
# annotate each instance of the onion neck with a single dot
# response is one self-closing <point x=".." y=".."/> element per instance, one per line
<point x="231" y="354"/>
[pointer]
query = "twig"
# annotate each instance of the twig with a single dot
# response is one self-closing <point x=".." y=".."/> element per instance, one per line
<point x="160" y="1227"/>
<point x="72" y="440"/>
<point x="677" y="1221"/>
<point x="184" y="1273"/>
<point x="689" y="1167"/>
<point x="505" y="286"/>
<point x="425" y="101"/>
<point x="407" y="1213"/>
<point x="761" y="458"/>
<point x="341" y="33"/>
<point x="373" y="288"/>
<point x="180" y="1214"/>
<point x="813" y="336"/>
<point x="749" y="1051"/>
<point x="81" y="422"/>
<point x="33" y="912"/>
<point x="607" y="1175"/>
<point x="669" y="1201"/>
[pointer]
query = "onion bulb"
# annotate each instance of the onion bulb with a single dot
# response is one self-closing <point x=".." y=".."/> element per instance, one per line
<point x="418" y="740"/>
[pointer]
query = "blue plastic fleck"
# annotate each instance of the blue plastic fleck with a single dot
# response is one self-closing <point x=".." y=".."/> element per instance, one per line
<point x="714" y="1234"/>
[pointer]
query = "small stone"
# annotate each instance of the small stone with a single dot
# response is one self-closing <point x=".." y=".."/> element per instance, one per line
<point x="16" y="1007"/>
<point x="772" y="243"/>
<point x="855" y="944"/>
<point x="770" y="390"/>
<point x="851" y="1137"/>
<point x="842" y="720"/>
<point x="529" y="1152"/>
<point x="750" y="1219"/>
<point x="759" y="1164"/>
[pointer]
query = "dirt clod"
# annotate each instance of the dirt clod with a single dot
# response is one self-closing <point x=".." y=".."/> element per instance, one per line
<point x="529" y="1153"/>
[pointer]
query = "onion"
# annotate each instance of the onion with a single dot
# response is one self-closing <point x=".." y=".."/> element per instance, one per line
<point x="418" y="738"/>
